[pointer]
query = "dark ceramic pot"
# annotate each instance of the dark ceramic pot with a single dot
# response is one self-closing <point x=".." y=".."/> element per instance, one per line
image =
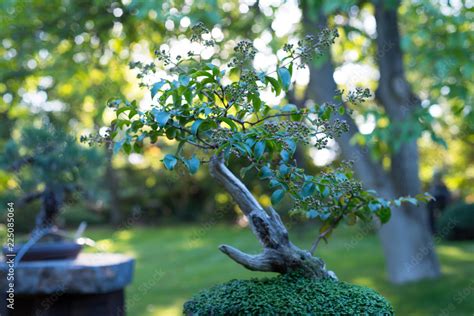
<point x="48" y="251"/>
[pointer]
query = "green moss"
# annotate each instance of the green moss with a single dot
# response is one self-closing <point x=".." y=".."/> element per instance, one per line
<point x="288" y="295"/>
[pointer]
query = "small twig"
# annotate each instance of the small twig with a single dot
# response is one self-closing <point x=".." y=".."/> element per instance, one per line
<point x="275" y="115"/>
<point x="208" y="145"/>
<point x="324" y="234"/>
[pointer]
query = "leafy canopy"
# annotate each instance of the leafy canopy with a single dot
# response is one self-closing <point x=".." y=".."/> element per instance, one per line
<point x="220" y="111"/>
<point x="47" y="157"/>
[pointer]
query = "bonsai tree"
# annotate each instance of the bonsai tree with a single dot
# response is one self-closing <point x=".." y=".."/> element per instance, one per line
<point x="49" y="164"/>
<point x="219" y="112"/>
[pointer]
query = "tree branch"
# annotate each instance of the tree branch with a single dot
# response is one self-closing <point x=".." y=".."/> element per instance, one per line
<point x="279" y="254"/>
<point x="324" y="234"/>
<point x="251" y="262"/>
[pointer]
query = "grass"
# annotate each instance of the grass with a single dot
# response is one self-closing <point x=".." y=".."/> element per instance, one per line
<point x="173" y="263"/>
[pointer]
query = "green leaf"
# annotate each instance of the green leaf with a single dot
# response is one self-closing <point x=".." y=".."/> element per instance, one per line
<point x="276" y="86"/>
<point x="250" y="142"/>
<point x="256" y="102"/>
<point x="184" y="80"/>
<point x="308" y="189"/>
<point x="285" y="77"/>
<point x="289" y="108"/>
<point x="285" y="155"/>
<point x="192" y="164"/>
<point x="121" y="110"/>
<point x="161" y="117"/>
<point x="274" y="183"/>
<point x="296" y="116"/>
<point x="425" y="197"/>
<point x="259" y="149"/>
<point x="171" y="132"/>
<point x="195" y="126"/>
<point x="118" y="145"/>
<point x="284" y="169"/>
<point x="156" y="87"/>
<point x="214" y="68"/>
<point x="340" y="177"/>
<point x="324" y="216"/>
<point x="291" y="145"/>
<point x="265" y="172"/>
<point x="374" y="206"/>
<point x="342" y="110"/>
<point x="188" y="96"/>
<point x="326" y="114"/>
<point x="127" y="148"/>
<point x="243" y="148"/>
<point x="312" y="213"/>
<point x="323" y="190"/>
<point x="229" y="122"/>
<point x="137" y="147"/>
<point x="170" y="161"/>
<point x="132" y="113"/>
<point x="410" y="200"/>
<point x="244" y="170"/>
<point x="384" y="214"/>
<point x="201" y="73"/>
<point x="234" y="73"/>
<point x="277" y="196"/>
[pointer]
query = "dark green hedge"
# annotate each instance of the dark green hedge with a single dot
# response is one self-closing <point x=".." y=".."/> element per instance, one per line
<point x="457" y="223"/>
<point x="288" y="295"/>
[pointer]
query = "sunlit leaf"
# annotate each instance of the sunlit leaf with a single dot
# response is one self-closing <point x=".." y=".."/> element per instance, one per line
<point x="192" y="164"/>
<point x="285" y="77"/>
<point x="161" y="117"/>
<point x="170" y="161"/>
<point x="277" y="196"/>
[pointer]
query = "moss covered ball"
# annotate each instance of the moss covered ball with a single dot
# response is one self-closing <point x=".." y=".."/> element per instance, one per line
<point x="288" y="295"/>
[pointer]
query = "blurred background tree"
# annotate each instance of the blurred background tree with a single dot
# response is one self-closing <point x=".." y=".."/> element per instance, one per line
<point x="50" y="167"/>
<point x="60" y="61"/>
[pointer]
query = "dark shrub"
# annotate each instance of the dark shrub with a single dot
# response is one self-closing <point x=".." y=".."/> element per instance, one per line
<point x="457" y="223"/>
<point x="288" y="295"/>
<point x="74" y="214"/>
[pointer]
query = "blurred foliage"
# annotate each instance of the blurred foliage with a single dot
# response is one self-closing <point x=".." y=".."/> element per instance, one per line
<point x="44" y="160"/>
<point x="46" y="157"/>
<point x="74" y="214"/>
<point x="457" y="222"/>
<point x="440" y="66"/>
<point x="63" y="59"/>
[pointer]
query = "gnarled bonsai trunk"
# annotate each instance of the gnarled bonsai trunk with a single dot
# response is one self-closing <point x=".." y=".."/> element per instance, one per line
<point x="279" y="254"/>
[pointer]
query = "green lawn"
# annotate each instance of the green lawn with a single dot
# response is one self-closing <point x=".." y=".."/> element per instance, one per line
<point x="172" y="263"/>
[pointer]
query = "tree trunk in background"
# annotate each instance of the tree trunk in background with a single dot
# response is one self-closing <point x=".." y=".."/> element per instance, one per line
<point x="406" y="239"/>
<point x="409" y="226"/>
